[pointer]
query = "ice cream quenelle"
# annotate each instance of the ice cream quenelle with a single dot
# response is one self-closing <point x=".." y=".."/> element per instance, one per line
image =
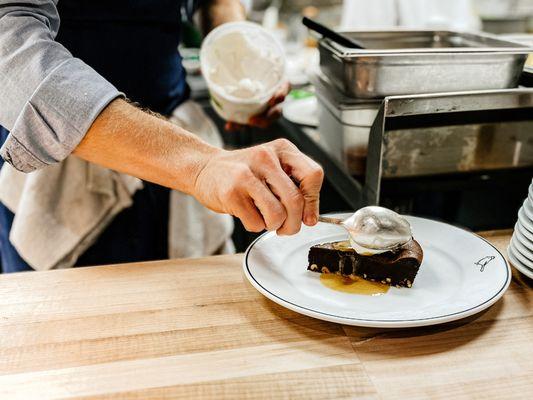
<point x="381" y="248"/>
<point x="375" y="230"/>
<point x="243" y="65"/>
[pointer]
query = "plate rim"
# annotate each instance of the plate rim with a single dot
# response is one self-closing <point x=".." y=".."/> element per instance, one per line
<point x="389" y="323"/>
<point x="516" y="250"/>
<point x="517" y="238"/>
<point x="517" y="264"/>
<point x="520" y="228"/>
<point x="528" y="208"/>
<point x="524" y="220"/>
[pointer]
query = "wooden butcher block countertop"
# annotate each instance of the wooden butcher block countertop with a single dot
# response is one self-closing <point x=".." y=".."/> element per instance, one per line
<point x="196" y="329"/>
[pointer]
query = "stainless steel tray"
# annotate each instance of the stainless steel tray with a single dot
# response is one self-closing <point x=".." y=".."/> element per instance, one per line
<point x="418" y="62"/>
<point x="443" y="133"/>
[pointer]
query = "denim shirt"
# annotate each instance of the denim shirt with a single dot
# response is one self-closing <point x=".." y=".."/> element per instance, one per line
<point x="56" y="80"/>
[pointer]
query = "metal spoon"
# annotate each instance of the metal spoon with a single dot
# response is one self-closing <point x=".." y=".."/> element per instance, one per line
<point x="374" y="229"/>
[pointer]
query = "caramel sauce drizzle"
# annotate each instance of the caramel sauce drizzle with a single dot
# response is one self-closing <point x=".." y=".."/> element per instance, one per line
<point x="353" y="285"/>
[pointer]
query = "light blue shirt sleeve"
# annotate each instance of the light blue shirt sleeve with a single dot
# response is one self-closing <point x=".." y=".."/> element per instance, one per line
<point x="48" y="98"/>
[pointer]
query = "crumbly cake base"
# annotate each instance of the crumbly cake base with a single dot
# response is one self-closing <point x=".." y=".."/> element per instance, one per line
<point x="397" y="268"/>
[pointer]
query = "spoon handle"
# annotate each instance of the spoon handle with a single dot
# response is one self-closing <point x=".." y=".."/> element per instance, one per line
<point x="330" y="220"/>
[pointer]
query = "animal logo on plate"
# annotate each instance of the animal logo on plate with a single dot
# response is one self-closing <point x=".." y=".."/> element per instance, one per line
<point x="482" y="263"/>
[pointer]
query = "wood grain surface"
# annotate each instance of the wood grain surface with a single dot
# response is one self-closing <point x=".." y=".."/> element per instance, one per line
<point x="196" y="329"/>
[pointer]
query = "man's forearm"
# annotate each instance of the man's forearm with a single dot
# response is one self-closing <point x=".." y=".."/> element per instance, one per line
<point x="134" y="142"/>
<point x="218" y="12"/>
<point x="252" y="184"/>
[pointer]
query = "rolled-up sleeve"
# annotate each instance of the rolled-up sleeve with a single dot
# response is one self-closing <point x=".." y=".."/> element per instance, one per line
<point x="48" y="98"/>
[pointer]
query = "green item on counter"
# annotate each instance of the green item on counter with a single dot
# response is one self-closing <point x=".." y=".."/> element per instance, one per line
<point x="299" y="94"/>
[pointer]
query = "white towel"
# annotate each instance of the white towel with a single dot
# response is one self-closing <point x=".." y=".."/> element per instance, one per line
<point x="195" y="231"/>
<point x="61" y="210"/>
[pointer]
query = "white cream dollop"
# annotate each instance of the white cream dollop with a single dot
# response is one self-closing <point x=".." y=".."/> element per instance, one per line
<point x="375" y="230"/>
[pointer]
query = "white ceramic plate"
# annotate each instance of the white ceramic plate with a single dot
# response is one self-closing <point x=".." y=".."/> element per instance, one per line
<point x="461" y="275"/>
<point x="528" y="209"/>
<point x="517" y="264"/>
<point x="525" y="243"/>
<point x="302" y="112"/>
<point x="524" y="220"/>
<point x="521" y="253"/>
<point x="523" y="231"/>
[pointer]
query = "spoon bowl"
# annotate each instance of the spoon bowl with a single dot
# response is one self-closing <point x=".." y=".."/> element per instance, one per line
<point x="374" y="229"/>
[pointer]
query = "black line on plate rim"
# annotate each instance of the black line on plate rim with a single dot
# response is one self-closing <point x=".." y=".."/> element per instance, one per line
<point x="507" y="279"/>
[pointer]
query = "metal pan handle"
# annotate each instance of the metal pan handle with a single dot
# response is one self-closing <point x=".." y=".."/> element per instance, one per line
<point x="331" y="34"/>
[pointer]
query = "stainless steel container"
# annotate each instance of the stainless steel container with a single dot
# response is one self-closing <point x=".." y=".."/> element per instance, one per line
<point x="526" y="40"/>
<point x="417" y="62"/>
<point x="449" y="133"/>
<point x="344" y="125"/>
<point x="455" y="149"/>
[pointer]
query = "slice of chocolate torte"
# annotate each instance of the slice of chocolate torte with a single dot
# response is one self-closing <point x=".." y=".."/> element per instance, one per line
<point x="396" y="268"/>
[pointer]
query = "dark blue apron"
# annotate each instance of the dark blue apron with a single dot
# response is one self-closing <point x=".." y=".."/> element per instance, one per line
<point x="133" y="44"/>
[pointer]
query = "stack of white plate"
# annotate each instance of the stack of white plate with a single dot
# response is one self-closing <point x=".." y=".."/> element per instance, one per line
<point x="520" y="250"/>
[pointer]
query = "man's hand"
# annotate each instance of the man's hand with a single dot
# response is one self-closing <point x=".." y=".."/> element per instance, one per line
<point x="254" y="184"/>
<point x="266" y="118"/>
<point x="257" y="186"/>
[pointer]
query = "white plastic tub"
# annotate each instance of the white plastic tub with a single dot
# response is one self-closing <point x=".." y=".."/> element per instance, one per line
<point x="243" y="65"/>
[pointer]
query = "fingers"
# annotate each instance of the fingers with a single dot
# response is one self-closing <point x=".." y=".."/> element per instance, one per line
<point x="280" y="94"/>
<point x="263" y="194"/>
<point x="290" y="196"/>
<point x="310" y="175"/>
<point x="255" y="185"/>
<point x="266" y="119"/>
<point x="263" y="120"/>
<point x="274" y="111"/>
<point x="233" y="127"/>
<point x="272" y="211"/>
<point x="249" y="215"/>
<point x="255" y="204"/>
<point x="307" y="172"/>
<point x="235" y="198"/>
<point x="280" y="184"/>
